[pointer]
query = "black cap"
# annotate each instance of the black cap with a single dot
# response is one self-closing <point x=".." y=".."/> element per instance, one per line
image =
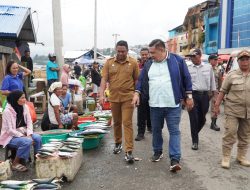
<point x="212" y="56"/>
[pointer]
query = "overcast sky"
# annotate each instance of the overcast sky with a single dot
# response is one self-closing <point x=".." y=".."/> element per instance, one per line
<point x="136" y="21"/>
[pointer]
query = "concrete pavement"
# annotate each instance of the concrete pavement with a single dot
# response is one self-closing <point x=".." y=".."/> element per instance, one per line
<point x="200" y="169"/>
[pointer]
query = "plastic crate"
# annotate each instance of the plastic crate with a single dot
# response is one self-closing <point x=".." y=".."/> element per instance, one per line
<point x="89" y="142"/>
<point x="86" y="119"/>
<point x="47" y="137"/>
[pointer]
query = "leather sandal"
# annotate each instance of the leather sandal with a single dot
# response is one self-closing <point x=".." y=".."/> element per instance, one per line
<point x="19" y="168"/>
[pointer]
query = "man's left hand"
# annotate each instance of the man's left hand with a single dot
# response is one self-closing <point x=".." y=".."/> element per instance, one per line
<point x="189" y="104"/>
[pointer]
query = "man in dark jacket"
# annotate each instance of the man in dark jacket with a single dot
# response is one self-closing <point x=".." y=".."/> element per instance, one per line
<point x="28" y="62"/>
<point x="96" y="78"/>
<point x="143" y="110"/>
<point x="165" y="82"/>
<point x="77" y="70"/>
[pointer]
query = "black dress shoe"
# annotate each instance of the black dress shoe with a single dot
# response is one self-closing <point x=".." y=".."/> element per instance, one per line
<point x="214" y="127"/>
<point x="195" y="146"/>
<point x="139" y="137"/>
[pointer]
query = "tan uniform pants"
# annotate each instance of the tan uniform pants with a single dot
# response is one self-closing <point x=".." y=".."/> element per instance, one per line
<point x="122" y="113"/>
<point x="236" y="127"/>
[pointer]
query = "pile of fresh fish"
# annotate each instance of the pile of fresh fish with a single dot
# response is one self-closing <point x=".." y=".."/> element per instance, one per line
<point x="90" y="132"/>
<point x="71" y="145"/>
<point x="103" y="114"/>
<point x="50" y="149"/>
<point x="97" y="126"/>
<point x="50" y="183"/>
<point x="13" y="184"/>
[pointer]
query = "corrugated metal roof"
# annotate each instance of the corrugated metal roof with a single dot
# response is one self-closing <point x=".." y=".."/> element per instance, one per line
<point x="15" y="21"/>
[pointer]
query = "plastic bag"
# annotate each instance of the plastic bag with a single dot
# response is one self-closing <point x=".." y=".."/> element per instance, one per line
<point x="32" y="111"/>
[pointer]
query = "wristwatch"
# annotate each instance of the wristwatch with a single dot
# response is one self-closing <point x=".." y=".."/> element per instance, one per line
<point x="189" y="96"/>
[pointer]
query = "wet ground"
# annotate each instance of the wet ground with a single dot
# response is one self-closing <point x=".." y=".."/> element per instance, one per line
<point x="200" y="169"/>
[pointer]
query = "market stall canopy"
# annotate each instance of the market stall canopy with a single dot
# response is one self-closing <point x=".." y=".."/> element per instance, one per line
<point x="84" y="61"/>
<point x="16" y="24"/>
<point x="82" y="56"/>
<point x="224" y="57"/>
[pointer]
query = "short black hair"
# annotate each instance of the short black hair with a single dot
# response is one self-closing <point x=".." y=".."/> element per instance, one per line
<point x="157" y="43"/>
<point x="122" y="43"/>
<point x="9" y="64"/>
<point x="26" y="51"/>
<point x="144" y="49"/>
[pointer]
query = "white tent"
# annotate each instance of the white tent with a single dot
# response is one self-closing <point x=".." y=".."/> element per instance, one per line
<point x="84" y="61"/>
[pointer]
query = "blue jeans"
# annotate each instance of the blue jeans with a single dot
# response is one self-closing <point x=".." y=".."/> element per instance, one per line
<point x="172" y="117"/>
<point x="23" y="144"/>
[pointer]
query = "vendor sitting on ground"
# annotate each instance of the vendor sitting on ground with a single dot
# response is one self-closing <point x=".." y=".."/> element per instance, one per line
<point x="17" y="129"/>
<point x="57" y="116"/>
<point x="67" y="100"/>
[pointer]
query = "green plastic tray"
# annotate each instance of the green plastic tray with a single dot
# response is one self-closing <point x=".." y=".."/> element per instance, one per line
<point x="89" y="143"/>
<point x="46" y="138"/>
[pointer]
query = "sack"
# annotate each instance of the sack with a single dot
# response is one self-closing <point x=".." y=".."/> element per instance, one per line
<point x="5" y="170"/>
<point x="45" y="124"/>
<point x="32" y="111"/>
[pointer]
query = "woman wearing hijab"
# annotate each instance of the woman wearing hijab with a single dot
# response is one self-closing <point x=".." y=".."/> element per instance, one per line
<point x="13" y="79"/>
<point x="65" y="74"/>
<point x="56" y="112"/>
<point x="17" y="129"/>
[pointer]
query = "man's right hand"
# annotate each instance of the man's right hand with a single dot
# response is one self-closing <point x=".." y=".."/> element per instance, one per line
<point x="101" y="100"/>
<point x="136" y="99"/>
<point x="60" y="126"/>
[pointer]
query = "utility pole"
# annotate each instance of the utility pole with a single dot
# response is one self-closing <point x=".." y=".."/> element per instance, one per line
<point x="95" y="32"/>
<point x="115" y="36"/>
<point x="58" y="35"/>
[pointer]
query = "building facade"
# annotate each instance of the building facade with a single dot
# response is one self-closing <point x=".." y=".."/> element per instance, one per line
<point x="234" y="24"/>
<point x="211" y="23"/>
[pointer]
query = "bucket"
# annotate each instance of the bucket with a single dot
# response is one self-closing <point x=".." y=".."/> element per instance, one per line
<point x="90" y="104"/>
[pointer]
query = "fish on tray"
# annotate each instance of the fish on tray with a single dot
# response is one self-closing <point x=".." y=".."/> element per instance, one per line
<point x="71" y="143"/>
<point x="43" y="154"/>
<point x="96" y="126"/>
<point x="46" y="186"/>
<point x="13" y="182"/>
<point x="73" y="146"/>
<point x="13" y="186"/>
<point x="66" y="149"/>
<point x="44" y="180"/>
<point x="56" y="143"/>
<point x="92" y="131"/>
<point x="72" y="139"/>
<point x="48" y="149"/>
<point x="65" y="154"/>
<point x="50" y="145"/>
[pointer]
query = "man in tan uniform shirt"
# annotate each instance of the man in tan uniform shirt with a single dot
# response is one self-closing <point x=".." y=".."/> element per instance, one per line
<point x="236" y="86"/>
<point x="213" y="60"/>
<point x="121" y="72"/>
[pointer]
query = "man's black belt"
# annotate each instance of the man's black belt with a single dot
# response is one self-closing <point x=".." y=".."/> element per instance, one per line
<point x="200" y="92"/>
